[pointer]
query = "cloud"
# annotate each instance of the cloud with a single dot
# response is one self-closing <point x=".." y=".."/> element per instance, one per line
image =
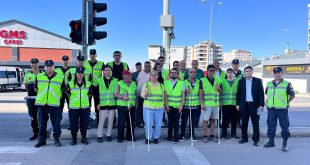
<point x="285" y="29"/>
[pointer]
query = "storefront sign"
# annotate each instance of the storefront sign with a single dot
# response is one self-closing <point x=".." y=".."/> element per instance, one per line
<point x="13" y="37"/>
<point x="290" y="69"/>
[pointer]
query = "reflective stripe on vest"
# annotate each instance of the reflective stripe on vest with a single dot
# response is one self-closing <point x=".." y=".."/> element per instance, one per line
<point x="79" y="96"/>
<point x="277" y="96"/>
<point x="228" y="96"/>
<point x="96" y="71"/>
<point x="193" y="98"/>
<point x="174" y="95"/>
<point x="124" y="90"/>
<point x="155" y="97"/>
<point x="49" y="91"/>
<point x="107" y="95"/>
<point x="210" y="96"/>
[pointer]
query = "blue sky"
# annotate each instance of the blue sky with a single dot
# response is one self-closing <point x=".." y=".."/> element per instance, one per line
<point x="260" y="26"/>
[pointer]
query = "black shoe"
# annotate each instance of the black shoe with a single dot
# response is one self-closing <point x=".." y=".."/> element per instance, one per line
<point x="57" y="142"/>
<point x="155" y="141"/>
<point x="119" y="141"/>
<point x="140" y="126"/>
<point x="225" y="137"/>
<point x="84" y="141"/>
<point x="69" y="128"/>
<point x="256" y="143"/>
<point x="99" y="140"/>
<point x="169" y="139"/>
<point x="39" y="144"/>
<point x="182" y="138"/>
<point x="147" y="141"/>
<point x="235" y="137"/>
<point x="175" y="141"/>
<point x="243" y="141"/>
<point x="269" y="144"/>
<point x="73" y="142"/>
<point x="35" y="136"/>
<point x="284" y="145"/>
<point x="109" y="138"/>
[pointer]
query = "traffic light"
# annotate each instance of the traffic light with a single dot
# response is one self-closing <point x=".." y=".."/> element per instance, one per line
<point x="76" y="31"/>
<point x="94" y="21"/>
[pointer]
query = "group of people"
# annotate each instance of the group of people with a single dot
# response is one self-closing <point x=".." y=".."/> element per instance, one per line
<point x="143" y="98"/>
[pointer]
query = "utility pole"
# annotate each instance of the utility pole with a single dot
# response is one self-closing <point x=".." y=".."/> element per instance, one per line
<point x="84" y="29"/>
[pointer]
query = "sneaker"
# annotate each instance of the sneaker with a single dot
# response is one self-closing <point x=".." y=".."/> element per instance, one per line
<point x="99" y="140"/>
<point x="73" y="142"/>
<point x="119" y="141"/>
<point x="148" y="141"/>
<point x="205" y="139"/>
<point x="175" y="141"/>
<point x="109" y="138"/>
<point x="182" y="138"/>
<point x="40" y="144"/>
<point x="195" y="139"/>
<point x="214" y="139"/>
<point x="57" y="142"/>
<point x="169" y="139"/>
<point x="225" y="137"/>
<point x="235" y="137"/>
<point x="155" y="141"/>
<point x="35" y="136"/>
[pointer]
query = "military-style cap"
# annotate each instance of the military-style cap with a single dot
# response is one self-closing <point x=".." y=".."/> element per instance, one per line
<point x="277" y="70"/>
<point x="92" y="51"/>
<point x="65" y="58"/>
<point x="235" y="61"/>
<point x="229" y="70"/>
<point x="80" y="58"/>
<point x="49" y="63"/>
<point x="79" y="70"/>
<point x="34" y="61"/>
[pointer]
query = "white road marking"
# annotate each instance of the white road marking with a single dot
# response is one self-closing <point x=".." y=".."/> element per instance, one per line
<point x="190" y="155"/>
<point x="11" y="163"/>
<point x="18" y="150"/>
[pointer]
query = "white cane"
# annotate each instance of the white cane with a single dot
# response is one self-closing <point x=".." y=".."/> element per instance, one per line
<point x="133" y="143"/>
<point x="218" y="123"/>
<point x="190" y="118"/>
<point x="148" y="124"/>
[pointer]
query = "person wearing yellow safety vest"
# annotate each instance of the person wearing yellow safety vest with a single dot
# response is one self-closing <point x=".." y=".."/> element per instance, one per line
<point x="153" y="107"/>
<point x="29" y="81"/>
<point x="64" y="70"/>
<point x="96" y="67"/>
<point x="125" y="93"/>
<point x="107" y="105"/>
<point x="228" y="104"/>
<point x="219" y="73"/>
<point x="174" y="101"/>
<point x="182" y="70"/>
<point x="191" y="105"/>
<point x="49" y="86"/>
<point x="209" y="88"/>
<point x="79" y="92"/>
<point x="79" y="64"/>
<point x="117" y="65"/>
<point x="165" y="72"/>
<point x="279" y="95"/>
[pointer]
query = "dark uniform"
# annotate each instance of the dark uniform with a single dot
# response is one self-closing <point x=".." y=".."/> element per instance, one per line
<point x="29" y="81"/>
<point x="277" y="104"/>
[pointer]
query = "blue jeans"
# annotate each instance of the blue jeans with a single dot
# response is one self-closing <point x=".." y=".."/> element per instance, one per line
<point x="150" y="115"/>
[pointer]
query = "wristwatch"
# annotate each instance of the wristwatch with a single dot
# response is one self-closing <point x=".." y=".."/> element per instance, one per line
<point x="121" y="96"/>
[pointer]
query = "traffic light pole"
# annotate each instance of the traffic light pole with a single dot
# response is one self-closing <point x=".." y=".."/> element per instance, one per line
<point x="84" y="29"/>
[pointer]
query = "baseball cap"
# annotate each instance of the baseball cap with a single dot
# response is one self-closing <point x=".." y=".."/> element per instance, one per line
<point x="126" y="72"/>
<point x="79" y="70"/>
<point x="34" y="61"/>
<point x="65" y="58"/>
<point x="92" y="51"/>
<point x="80" y="58"/>
<point x="229" y="70"/>
<point x="235" y="61"/>
<point x="49" y="63"/>
<point x="277" y="70"/>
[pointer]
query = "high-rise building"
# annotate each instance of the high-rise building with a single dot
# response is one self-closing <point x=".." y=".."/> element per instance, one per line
<point x="242" y="55"/>
<point x="308" y="27"/>
<point x="200" y="52"/>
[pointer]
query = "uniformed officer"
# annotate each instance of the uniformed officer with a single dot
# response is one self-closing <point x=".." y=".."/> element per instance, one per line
<point x="125" y="93"/>
<point x="49" y="85"/>
<point x="29" y="81"/>
<point x="174" y="96"/>
<point x="96" y="67"/>
<point x="279" y="95"/>
<point x="79" y="93"/>
<point x="79" y="64"/>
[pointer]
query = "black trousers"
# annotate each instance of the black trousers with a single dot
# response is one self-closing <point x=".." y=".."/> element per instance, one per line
<point x="184" y="117"/>
<point x="230" y="115"/>
<point x="273" y="116"/>
<point x="250" y="111"/>
<point x="79" y="116"/>
<point x="95" y="94"/>
<point x="197" y="117"/>
<point x="173" y="123"/>
<point x="123" y="118"/>
<point x="44" y="112"/>
<point x="33" y="113"/>
<point x="139" y="111"/>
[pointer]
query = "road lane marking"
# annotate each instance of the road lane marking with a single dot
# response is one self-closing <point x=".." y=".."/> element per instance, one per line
<point x="18" y="150"/>
<point x="190" y="155"/>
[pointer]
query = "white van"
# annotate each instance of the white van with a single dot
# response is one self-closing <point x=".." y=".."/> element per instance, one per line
<point x="11" y="77"/>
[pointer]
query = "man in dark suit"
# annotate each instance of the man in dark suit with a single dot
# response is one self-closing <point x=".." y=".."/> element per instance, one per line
<point x="250" y="102"/>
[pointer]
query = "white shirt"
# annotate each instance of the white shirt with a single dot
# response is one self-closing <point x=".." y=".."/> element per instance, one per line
<point x="248" y="89"/>
<point x="142" y="78"/>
